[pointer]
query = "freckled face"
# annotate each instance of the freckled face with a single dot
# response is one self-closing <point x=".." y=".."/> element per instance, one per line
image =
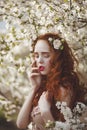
<point x="43" y="55"/>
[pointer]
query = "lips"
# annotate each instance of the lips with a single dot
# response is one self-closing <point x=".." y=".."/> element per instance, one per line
<point x="41" y="68"/>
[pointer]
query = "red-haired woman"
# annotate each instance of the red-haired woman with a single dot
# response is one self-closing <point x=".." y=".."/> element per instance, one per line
<point x="52" y="78"/>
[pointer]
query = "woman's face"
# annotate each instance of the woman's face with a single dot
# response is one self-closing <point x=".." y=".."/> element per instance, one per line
<point x="43" y="55"/>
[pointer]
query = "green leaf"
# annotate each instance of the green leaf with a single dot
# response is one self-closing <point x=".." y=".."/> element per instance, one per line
<point x="61" y="47"/>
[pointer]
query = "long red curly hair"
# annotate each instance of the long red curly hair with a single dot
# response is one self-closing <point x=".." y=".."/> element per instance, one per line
<point x="62" y="71"/>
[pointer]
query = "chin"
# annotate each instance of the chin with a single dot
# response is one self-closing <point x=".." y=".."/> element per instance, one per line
<point x="43" y="73"/>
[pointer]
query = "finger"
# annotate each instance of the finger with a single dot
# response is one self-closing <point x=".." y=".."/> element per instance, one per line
<point x="36" y="108"/>
<point x="35" y="74"/>
<point x="33" y="64"/>
<point x="34" y="69"/>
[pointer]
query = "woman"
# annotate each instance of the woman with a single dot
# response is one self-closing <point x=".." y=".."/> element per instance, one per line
<point x="52" y="78"/>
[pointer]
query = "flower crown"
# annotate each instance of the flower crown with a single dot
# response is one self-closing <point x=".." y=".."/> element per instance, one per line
<point x="57" y="44"/>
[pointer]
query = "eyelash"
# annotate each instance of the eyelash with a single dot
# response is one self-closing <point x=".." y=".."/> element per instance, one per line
<point x="44" y="55"/>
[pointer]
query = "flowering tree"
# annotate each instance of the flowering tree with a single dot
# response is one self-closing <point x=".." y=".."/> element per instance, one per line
<point x="24" y="21"/>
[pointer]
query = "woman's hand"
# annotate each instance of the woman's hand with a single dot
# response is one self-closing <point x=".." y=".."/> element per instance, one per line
<point x="44" y="102"/>
<point x="35" y="77"/>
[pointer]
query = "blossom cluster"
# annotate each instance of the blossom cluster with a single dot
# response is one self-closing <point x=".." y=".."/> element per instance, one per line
<point x="24" y="21"/>
<point x="72" y="119"/>
<point x="57" y="44"/>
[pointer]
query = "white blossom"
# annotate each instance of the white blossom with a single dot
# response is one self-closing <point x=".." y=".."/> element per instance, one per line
<point x="24" y="21"/>
<point x="57" y="43"/>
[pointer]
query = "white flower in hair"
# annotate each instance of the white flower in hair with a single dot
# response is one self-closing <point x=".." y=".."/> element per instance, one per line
<point x="57" y="43"/>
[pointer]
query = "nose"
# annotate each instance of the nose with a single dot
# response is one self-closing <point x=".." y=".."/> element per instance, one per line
<point x="40" y="59"/>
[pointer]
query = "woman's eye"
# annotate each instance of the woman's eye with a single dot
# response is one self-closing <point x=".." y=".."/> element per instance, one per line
<point x="46" y="55"/>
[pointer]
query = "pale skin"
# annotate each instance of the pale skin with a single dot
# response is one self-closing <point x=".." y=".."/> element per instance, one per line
<point x="43" y="55"/>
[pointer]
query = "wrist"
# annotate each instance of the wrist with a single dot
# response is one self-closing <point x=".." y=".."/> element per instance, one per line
<point x="32" y="93"/>
<point x="34" y="90"/>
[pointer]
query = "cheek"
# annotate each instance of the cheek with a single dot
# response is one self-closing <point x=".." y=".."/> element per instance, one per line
<point x="48" y="62"/>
